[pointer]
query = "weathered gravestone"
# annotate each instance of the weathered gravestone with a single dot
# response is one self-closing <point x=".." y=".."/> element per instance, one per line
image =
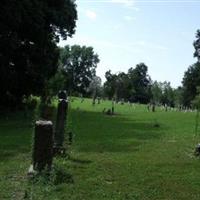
<point x="43" y="145"/>
<point x="60" y="122"/>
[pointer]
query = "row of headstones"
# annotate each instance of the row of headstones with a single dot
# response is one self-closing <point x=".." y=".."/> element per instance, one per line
<point x="150" y="106"/>
<point x="48" y="142"/>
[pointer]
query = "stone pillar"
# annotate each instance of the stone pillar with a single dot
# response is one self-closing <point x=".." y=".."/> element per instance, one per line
<point x="43" y="145"/>
<point x="60" y="121"/>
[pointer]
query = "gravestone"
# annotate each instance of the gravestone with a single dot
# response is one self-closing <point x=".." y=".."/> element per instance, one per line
<point x="112" y="112"/>
<point x="153" y="107"/>
<point x="43" y="145"/>
<point x="60" y="122"/>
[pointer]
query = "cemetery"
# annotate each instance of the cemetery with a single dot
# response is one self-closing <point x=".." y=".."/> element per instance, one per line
<point x="99" y="100"/>
<point x="122" y="156"/>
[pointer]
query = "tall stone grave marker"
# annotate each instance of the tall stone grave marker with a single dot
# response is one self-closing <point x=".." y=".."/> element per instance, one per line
<point x="60" y="122"/>
<point x="43" y="145"/>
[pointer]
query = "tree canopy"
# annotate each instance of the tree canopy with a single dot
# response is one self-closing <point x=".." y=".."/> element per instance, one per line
<point x="133" y="85"/>
<point x="191" y="79"/>
<point x="79" y="66"/>
<point x="29" y="33"/>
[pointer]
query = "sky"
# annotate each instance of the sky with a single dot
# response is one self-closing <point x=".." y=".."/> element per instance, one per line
<point x="127" y="32"/>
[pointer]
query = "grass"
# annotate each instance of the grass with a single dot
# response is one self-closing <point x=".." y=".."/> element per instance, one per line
<point x="135" y="154"/>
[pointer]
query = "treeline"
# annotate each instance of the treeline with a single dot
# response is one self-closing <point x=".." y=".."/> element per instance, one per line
<point x="137" y="86"/>
<point x="31" y="63"/>
<point x="77" y="75"/>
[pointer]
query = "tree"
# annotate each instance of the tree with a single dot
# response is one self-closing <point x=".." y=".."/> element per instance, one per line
<point x="95" y="87"/>
<point x="79" y="67"/>
<point x="110" y="84"/>
<point x="156" y="91"/>
<point x="178" y="96"/>
<point x="196" y="45"/>
<point x="190" y="82"/>
<point x="133" y="86"/>
<point x="167" y="94"/>
<point x="140" y="83"/>
<point x="191" y="79"/>
<point x="29" y="33"/>
<point x="56" y="83"/>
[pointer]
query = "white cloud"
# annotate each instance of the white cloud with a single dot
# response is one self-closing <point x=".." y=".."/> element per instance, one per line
<point x="91" y="14"/>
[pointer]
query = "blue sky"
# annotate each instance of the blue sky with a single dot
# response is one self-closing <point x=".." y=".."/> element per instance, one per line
<point x="126" y="32"/>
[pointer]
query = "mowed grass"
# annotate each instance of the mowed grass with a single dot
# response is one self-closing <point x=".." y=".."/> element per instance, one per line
<point x="112" y="157"/>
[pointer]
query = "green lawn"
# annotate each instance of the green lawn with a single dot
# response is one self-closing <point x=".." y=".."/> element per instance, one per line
<point x="113" y="157"/>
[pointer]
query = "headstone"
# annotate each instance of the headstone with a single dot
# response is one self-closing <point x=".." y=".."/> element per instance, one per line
<point x="43" y="145"/>
<point x="60" y="121"/>
<point x="153" y="107"/>
<point x="112" y="112"/>
<point x="62" y="94"/>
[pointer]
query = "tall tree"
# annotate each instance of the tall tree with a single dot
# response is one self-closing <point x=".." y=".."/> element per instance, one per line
<point x="156" y="91"/>
<point x="79" y="66"/>
<point x="178" y="96"/>
<point x="190" y="82"/>
<point x="29" y="33"/>
<point x="168" y="94"/>
<point x="140" y="81"/>
<point x="197" y="46"/>
<point x="191" y="79"/>
<point x="110" y="84"/>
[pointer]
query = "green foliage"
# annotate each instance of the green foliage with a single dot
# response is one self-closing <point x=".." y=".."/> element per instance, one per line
<point x="29" y="33"/>
<point x="133" y="86"/>
<point x="190" y="82"/>
<point x="78" y="64"/>
<point x="140" y="81"/>
<point x="197" y="45"/>
<point x="31" y="102"/>
<point x="156" y="90"/>
<point x="191" y="79"/>
<point x="178" y="96"/>
<point x="110" y="84"/>
<point x="56" y="83"/>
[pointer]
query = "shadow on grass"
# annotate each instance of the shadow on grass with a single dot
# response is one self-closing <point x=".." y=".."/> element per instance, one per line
<point x="79" y="161"/>
<point x="95" y="132"/>
<point x="14" y="141"/>
<point x="101" y="133"/>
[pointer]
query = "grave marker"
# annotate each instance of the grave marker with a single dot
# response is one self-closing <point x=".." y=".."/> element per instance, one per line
<point x="60" y="122"/>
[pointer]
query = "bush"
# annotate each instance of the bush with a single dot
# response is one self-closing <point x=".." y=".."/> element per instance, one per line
<point x="31" y="102"/>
